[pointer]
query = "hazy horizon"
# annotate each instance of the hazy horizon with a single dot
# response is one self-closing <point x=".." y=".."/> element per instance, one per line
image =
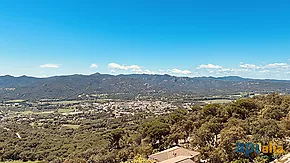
<point x="140" y="74"/>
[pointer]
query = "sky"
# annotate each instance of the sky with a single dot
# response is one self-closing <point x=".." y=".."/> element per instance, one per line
<point x="182" y="38"/>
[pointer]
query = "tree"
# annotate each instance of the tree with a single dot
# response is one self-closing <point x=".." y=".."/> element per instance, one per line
<point x="207" y="134"/>
<point x="229" y="138"/>
<point x="177" y="116"/>
<point x="156" y="131"/>
<point x="114" y="137"/>
<point x="140" y="159"/>
<point x="242" y="108"/>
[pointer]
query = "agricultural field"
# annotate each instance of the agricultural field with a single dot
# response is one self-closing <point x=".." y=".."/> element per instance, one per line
<point x="15" y="101"/>
<point x="66" y="102"/>
<point x="65" y="110"/>
<point x="31" y="112"/>
<point x="218" y="101"/>
<point x="71" y="126"/>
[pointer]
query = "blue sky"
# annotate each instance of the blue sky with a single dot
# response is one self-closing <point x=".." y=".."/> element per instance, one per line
<point x="183" y="38"/>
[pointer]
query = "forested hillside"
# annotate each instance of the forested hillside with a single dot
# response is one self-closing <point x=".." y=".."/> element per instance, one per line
<point x="212" y="130"/>
<point x="69" y="87"/>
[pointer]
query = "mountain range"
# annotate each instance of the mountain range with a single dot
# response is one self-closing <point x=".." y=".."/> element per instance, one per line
<point x="64" y="87"/>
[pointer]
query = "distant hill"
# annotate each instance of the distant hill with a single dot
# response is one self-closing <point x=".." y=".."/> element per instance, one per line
<point x="232" y="78"/>
<point x="71" y="86"/>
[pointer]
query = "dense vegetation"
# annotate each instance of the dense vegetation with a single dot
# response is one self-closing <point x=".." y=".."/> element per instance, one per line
<point x="213" y="130"/>
<point x="129" y="86"/>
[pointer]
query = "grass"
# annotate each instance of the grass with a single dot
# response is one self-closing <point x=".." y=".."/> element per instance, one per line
<point x="221" y="101"/>
<point x="45" y="112"/>
<point x="36" y="124"/>
<point x="15" y="101"/>
<point x="31" y="112"/>
<point x="27" y="112"/>
<point x="61" y="111"/>
<point x="66" y="102"/>
<point x="101" y="101"/>
<point x="71" y="126"/>
<point x="66" y="110"/>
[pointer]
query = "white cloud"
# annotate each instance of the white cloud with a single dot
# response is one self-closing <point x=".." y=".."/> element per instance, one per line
<point x="277" y="65"/>
<point x="177" y="71"/>
<point x="249" y="66"/>
<point x="50" y="66"/>
<point x="117" y="66"/>
<point x="242" y="70"/>
<point x="265" y="71"/>
<point x="262" y="70"/>
<point x="209" y="66"/>
<point x="139" y="71"/>
<point x="94" y="66"/>
<point x="149" y="72"/>
<point x="226" y="70"/>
